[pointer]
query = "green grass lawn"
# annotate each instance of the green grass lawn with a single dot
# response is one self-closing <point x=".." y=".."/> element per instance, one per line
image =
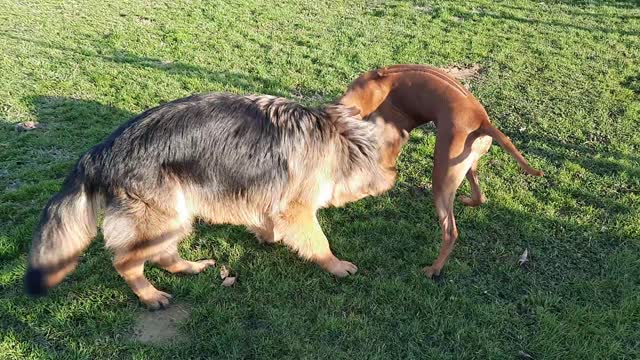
<point x="561" y="78"/>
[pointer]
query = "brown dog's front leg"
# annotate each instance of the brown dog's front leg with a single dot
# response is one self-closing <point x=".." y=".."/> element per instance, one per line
<point x="447" y="177"/>
<point x="449" y="237"/>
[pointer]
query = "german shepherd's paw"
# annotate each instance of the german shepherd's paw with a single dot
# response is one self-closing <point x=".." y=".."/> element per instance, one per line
<point x="339" y="268"/>
<point x="155" y="299"/>
<point x="200" y="266"/>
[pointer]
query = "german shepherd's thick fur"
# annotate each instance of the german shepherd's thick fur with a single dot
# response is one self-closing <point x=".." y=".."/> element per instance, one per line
<point x="259" y="161"/>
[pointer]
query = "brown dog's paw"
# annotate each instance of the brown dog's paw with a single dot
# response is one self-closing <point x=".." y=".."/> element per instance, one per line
<point x="431" y="272"/>
<point x="155" y="299"/>
<point x="468" y="201"/>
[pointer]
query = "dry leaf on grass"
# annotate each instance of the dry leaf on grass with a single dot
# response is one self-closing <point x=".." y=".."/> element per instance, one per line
<point x="524" y="258"/>
<point x="28" y="125"/>
<point x="425" y="9"/>
<point x="224" y="272"/>
<point x="524" y="355"/>
<point x="229" y="281"/>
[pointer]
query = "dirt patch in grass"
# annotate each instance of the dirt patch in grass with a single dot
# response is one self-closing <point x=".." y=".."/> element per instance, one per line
<point x="161" y="327"/>
<point x="464" y="73"/>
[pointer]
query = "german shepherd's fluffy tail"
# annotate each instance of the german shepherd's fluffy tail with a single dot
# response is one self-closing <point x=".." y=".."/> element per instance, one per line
<point x="67" y="225"/>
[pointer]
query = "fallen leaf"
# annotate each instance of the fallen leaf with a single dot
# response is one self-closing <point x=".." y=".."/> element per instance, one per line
<point x="425" y="9"/>
<point x="229" y="281"/>
<point x="524" y="258"/>
<point x="224" y="272"/>
<point x="145" y="20"/>
<point x="524" y="355"/>
<point x="27" y="125"/>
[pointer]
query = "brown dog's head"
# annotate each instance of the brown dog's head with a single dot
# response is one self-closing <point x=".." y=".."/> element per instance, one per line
<point x="360" y="170"/>
<point x="367" y="92"/>
<point x="371" y="92"/>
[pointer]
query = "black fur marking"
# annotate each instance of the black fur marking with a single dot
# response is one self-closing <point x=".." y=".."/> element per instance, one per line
<point x="226" y="142"/>
<point x="34" y="282"/>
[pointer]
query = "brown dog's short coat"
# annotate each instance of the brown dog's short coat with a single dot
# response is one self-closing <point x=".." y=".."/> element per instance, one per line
<point x="402" y="97"/>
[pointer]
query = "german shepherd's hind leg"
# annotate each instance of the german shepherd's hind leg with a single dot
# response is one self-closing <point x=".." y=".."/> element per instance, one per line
<point x="171" y="261"/>
<point x="130" y="266"/>
<point x="447" y="177"/>
<point x="302" y="233"/>
<point x="138" y="232"/>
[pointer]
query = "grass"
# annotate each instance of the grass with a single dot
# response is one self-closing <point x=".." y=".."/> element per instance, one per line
<point x="562" y="78"/>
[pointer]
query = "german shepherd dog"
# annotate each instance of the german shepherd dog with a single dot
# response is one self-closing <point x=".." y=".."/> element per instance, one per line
<point x="259" y="161"/>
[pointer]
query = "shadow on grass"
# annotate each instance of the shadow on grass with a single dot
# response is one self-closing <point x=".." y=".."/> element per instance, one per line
<point x="601" y="162"/>
<point x="390" y="237"/>
<point x="583" y="12"/>
<point x="623" y="4"/>
<point x="501" y="15"/>
<point x="632" y="83"/>
<point x="248" y="83"/>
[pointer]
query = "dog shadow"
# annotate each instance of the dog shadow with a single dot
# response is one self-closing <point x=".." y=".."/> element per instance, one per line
<point x="247" y="83"/>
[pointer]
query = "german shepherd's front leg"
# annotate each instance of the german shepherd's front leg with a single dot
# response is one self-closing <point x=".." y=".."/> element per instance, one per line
<point x="301" y="232"/>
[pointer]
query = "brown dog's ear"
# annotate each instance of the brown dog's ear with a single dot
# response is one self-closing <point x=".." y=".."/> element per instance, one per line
<point x="351" y="110"/>
<point x="368" y="91"/>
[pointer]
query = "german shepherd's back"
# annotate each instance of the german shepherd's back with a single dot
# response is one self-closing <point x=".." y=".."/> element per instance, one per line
<point x="259" y="161"/>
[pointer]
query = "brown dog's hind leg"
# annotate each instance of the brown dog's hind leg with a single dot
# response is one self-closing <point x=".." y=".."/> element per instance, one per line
<point x="449" y="237"/>
<point x="479" y="147"/>
<point x="302" y="232"/>
<point x="477" y="197"/>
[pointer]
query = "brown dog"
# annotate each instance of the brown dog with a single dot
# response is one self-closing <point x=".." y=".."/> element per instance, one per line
<point x="402" y="97"/>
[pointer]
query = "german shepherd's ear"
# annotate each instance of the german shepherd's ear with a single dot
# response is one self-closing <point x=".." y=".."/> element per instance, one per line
<point x="337" y="111"/>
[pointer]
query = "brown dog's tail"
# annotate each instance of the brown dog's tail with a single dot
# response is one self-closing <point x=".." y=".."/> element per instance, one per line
<point x="506" y="144"/>
<point x="67" y="226"/>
